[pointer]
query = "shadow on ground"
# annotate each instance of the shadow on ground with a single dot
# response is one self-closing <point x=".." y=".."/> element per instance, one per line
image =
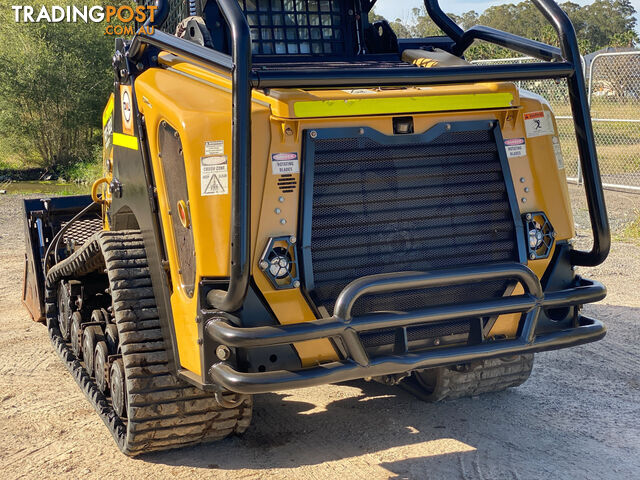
<point x="563" y="411"/>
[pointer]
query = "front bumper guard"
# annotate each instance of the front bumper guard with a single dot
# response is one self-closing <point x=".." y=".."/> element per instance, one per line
<point x="358" y="364"/>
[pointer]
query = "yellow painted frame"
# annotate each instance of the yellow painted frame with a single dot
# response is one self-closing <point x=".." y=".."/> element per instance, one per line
<point x="196" y="101"/>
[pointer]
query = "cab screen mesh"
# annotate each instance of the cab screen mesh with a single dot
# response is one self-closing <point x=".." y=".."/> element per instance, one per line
<point x="295" y="27"/>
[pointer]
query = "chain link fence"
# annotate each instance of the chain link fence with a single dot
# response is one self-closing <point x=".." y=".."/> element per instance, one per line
<point x="614" y="96"/>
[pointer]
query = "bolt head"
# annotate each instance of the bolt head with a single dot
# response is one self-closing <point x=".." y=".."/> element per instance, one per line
<point x="313" y="134"/>
<point x="281" y="199"/>
<point x="532" y="256"/>
<point x="523" y="200"/>
<point x="296" y="284"/>
<point x="528" y="216"/>
<point x="436" y="342"/>
<point x="522" y="179"/>
<point x="283" y="221"/>
<point x="277" y="210"/>
<point x="292" y="239"/>
<point x="223" y="352"/>
<point x="264" y="264"/>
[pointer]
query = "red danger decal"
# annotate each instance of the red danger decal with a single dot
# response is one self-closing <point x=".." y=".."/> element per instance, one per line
<point x="531" y="115"/>
<point x="284" y="156"/>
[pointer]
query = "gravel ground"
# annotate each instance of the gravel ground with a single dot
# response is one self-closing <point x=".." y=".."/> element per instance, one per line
<point x="577" y="416"/>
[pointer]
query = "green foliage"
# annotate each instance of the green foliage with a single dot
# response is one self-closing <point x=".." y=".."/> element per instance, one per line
<point x="54" y="81"/>
<point x="84" y="171"/>
<point x="604" y="23"/>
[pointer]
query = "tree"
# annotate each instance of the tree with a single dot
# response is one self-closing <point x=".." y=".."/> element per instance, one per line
<point x="423" y="26"/>
<point x="400" y="28"/>
<point x="54" y="81"/>
<point x="601" y="24"/>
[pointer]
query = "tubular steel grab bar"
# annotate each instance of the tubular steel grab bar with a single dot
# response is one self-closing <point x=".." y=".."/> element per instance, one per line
<point x="358" y="364"/>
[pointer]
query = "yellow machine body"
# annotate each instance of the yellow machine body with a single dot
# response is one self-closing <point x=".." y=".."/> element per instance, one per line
<point x="196" y="103"/>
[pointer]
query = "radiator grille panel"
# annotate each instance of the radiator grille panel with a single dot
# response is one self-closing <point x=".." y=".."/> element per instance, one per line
<point x="423" y="205"/>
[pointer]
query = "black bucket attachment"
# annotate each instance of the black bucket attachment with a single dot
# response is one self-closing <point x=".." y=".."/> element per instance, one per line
<point x="43" y="220"/>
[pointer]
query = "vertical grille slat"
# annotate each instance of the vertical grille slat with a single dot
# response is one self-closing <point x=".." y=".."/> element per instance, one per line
<point x="424" y="202"/>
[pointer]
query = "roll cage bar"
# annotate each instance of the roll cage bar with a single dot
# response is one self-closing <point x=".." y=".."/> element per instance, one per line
<point x="563" y="62"/>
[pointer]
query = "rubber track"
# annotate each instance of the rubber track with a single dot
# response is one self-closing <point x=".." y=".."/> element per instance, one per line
<point x="485" y="376"/>
<point x="163" y="411"/>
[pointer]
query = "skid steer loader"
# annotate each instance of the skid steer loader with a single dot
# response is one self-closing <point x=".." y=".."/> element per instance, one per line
<point x="293" y="196"/>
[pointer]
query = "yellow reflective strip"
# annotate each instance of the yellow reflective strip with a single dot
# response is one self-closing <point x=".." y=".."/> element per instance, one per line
<point x="127" y="141"/>
<point x="379" y="106"/>
<point x="108" y="110"/>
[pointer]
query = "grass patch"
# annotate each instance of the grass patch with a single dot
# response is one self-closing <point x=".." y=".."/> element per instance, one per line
<point x="617" y="145"/>
<point x="631" y="232"/>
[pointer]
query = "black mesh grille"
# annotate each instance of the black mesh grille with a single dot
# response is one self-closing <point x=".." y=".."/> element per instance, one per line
<point x="81" y="230"/>
<point x="291" y="27"/>
<point x="279" y="27"/>
<point x="418" y="206"/>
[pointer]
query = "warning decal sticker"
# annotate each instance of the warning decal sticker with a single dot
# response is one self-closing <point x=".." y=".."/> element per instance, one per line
<point x="538" y="124"/>
<point x="557" y="150"/>
<point x="515" y="147"/>
<point x="214" y="147"/>
<point x="360" y="91"/>
<point x="126" y="109"/>
<point x="282" y="163"/>
<point x="214" y="175"/>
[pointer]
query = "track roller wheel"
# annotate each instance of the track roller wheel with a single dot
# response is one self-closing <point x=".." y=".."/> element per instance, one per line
<point x="107" y="316"/>
<point x="90" y="338"/>
<point x="76" y="334"/>
<point x="101" y="366"/>
<point x="111" y="338"/>
<point x="64" y="309"/>
<point x="471" y="379"/>
<point x="98" y="317"/>
<point x="118" y="389"/>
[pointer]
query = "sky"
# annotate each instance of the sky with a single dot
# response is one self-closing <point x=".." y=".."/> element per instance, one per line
<point x="392" y="9"/>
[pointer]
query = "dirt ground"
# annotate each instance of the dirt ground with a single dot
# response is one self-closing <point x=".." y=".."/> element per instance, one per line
<point x="577" y="417"/>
